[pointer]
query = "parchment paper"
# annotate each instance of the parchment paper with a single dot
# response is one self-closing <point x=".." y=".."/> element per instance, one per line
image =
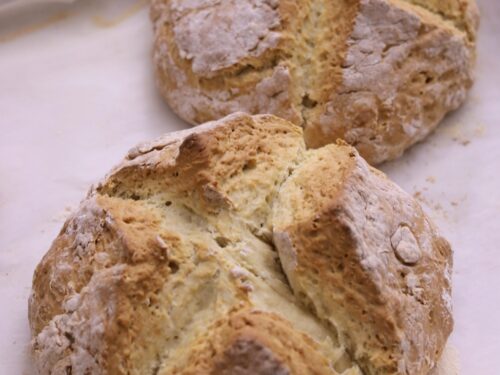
<point x="77" y="91"/>
<point x="15" y="4"/>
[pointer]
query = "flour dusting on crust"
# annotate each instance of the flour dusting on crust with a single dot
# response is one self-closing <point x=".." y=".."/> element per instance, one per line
<point x="215" y="35"/>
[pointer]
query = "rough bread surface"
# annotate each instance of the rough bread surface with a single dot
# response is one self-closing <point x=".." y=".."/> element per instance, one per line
<point x="380" y="74"/>
<point x="230" y="249"/>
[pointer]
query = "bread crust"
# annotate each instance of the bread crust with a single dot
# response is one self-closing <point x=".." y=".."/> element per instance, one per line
<point x="366" y="258"/>
<point x="253" y="342"/>
<point x="169" y="265"/>
<point x="380" y="74"/>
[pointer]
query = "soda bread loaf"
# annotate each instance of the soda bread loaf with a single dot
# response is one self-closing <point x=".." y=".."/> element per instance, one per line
<point x="231" y="249"/>
<point x="380" y="74"/>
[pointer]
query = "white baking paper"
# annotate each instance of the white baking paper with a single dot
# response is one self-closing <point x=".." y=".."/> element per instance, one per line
<point x="77" y="91"/>
<point x="16" y="4"/>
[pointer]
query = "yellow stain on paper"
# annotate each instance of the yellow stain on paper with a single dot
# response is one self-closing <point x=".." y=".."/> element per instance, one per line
<point x="103" y="22"/>
<point x="98" y="20"/>
<point x="58" y="17"/>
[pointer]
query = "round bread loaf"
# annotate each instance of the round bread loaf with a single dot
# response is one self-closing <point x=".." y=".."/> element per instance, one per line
<point x="231" y="249"/>
<point x="380" y="74"/>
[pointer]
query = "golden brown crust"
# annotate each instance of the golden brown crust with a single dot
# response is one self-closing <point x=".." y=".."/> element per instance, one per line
<point x="253" y="342"/>
<point x="106" y="233"/>
<point x="367" y="259"/>
<point x="169" y="265"/>
<point x="136" y="272"/>
<point x="397" y="88"/>
<point x="380" y="74"/>
<point x="463" y="13"/>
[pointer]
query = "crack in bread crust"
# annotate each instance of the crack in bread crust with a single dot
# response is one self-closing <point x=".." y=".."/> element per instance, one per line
<point x="318" y="57"/>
